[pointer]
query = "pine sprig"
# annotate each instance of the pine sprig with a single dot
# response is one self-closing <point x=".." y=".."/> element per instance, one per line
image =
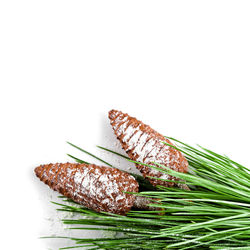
<point x="214" y="214"/>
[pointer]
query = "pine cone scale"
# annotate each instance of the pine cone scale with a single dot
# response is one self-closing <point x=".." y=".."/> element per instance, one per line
<point x="96" y="187"/>
<point x="143" y="144"/>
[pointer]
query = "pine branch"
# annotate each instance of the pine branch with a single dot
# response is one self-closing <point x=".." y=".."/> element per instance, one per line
<point x="214" y="214"/>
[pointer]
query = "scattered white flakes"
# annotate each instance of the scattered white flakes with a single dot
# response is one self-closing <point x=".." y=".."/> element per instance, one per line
<point x="154" y="171"/>
<point x="120" y="197"/>
<point x="146" y="149"/>
<point x="146" y="145"/>
<point x="152" y="156"/>
<point x="163" y="156"/>
<point x="78" y="177"/>
<point x="121" y="129"/>
<point x="137" y="150"/>
<point x="121" y="120"/>
<point x="105" y="201"/>
<point x="103" y="178"/>
<point x="92" y="186"/>
<point x="129" y="132"/>
<point x="164" y="176"/>
<point x="133" y="140"/>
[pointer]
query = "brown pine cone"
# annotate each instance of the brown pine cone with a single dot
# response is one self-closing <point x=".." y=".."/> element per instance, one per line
<point x="96" y="187"/>
<point x="143" y="144"/>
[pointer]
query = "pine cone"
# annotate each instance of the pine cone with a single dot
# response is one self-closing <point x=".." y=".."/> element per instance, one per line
<point x="143" y="144"/>
<point x="96" y="187"/>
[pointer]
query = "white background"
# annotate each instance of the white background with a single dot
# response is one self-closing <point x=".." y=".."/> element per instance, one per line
<point x="180" y="66"/>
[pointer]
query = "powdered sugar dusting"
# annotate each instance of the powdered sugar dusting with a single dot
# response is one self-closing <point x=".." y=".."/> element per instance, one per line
<point x="121" y="128"/>
<point x="147" y="151"/>
<point x="129" y="132"/>
<point x="145" y="145"/>
<point x="133" y="140"/>
<point x="102" y="187"/>
<point x="96" y="187"/>
<point x="140" y="144"/>
<point x="118" y="121"/>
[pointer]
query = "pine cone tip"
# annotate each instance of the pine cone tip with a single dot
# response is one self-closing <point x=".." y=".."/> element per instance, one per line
<point x="113" y="113"/>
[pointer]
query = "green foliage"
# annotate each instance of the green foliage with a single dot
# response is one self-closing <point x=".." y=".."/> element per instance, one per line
<point x="214" y="214"/>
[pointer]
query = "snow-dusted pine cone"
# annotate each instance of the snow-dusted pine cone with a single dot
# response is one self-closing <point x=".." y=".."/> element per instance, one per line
<point x="96" y="187"/>
<point x="143" y="144"/>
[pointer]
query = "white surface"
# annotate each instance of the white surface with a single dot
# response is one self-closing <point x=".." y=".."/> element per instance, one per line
<point x="180" y="66"/>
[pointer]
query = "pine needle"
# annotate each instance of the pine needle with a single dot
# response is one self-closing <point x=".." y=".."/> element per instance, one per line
<point x="214" y="214"/>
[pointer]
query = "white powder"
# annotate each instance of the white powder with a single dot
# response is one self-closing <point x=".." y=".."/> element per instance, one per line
<point x="146" y="149"/>
<point x="121" y="129"/>
<point x="116" y="123"/>
<point x="120" y="197"/>
<point x="133" y="140"/>
<point x="129" y="132"/>
<point x="78" y="177"/>
<point x="140" y="143"/>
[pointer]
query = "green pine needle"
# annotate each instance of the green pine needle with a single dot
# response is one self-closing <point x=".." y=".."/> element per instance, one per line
<point x="214" y="214"/>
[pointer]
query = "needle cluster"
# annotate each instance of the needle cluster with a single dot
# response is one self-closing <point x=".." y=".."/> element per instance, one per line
<point x="213" y="214"/>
